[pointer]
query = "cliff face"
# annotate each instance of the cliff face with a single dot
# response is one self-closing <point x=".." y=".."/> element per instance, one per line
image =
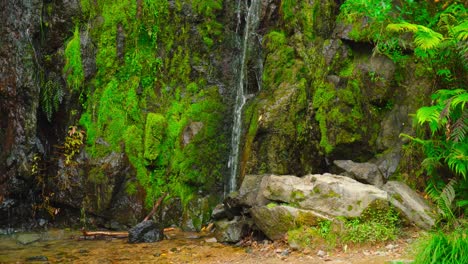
<point x="106" y="105"/>
<point x="19" y="31"/>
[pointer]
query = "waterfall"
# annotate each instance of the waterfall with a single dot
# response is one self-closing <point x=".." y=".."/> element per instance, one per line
<point x="250" y="26"/>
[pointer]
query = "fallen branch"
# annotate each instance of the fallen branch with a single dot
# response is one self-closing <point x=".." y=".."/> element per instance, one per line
<point x="104" y="233"/>
<point x="155" y="207"/>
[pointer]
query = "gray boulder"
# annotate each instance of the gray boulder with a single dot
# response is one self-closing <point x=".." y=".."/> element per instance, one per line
<point x="250" y="192"/>
<point x="232" y="231"/>
<point x="364" y="172"/>
<point x="333" y="195"/>
<point x="145" y="232"/>
<point x="275" y="221"/>
<point x="411" y="206"/>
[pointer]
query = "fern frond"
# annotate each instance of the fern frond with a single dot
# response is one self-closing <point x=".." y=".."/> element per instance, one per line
<point x="462" y="203"/>
<point x="460" y="32"/>
<point x="460" y="128"/>
<point x="457" y="160"/>
<point x="444" y="198"/>
<point x="426" y="38"/>
<point x="460" y="99"/>
<point x="402" y="27"/>
<point x="429" y="114"/>
<point x="445" y="94"/>
<point x="445" y="201"/>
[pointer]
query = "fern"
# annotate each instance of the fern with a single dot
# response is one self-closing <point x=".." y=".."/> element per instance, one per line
<point x="460" y="128"/>
<point x="443" y="199"/>
<point x="429" y="114"/>
<point x="460" y="32"/>
<point x="424" y="37"/>
<point x="51" y="96"/>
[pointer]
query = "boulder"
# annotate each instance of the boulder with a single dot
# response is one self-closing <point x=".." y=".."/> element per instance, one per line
<point x="275" y="220"/>
<point x="330" y="194"/>
<point x="411" y="206"/>
<point x="250" y="192"/>
<point x="145" y="232"/>
<point x="364" y="172"/>
<point x="218" y="212"/>
<point x="232" y="231"/>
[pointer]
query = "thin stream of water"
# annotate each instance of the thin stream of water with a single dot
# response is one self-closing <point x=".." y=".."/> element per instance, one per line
<point x="251" y="23"/>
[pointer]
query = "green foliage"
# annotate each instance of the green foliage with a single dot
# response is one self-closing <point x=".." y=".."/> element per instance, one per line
<point x="377" y="223"/>
<point x="73" y="143"/>
<point x="73" y="68"/>
<point x="51" y="96"/>
<point x="154" y="134"/>
<point x="376" y="10"/>
<point x="145" y="94"/>
<point x="447" y="121"/>
<point x="424" y="38"/>
<point x="447" y="146"/>
<point x="444" y="197"/>
<point x="444" y="248"/>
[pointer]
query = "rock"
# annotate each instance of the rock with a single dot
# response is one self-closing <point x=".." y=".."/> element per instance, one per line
<point x="211" y="240"/>
<point x="218" y="212"/>
<point x="232" y="231"/>
<point x="197" y="213"/>
<point x="364" y="172"/>
<point x="275" y="221"/>
<point x="388" y="163"/>
<point x="37" y="258"/>
<point x="232" y="205"/>
<point x="145" y="232"/>
<point x="330" y="194"/>
<point x="25" y="239"/>
<point x="190" y="132"/>
<point x="321" y="254"/>
<point x="410" y="204"/>
<point x="250" y="192"/>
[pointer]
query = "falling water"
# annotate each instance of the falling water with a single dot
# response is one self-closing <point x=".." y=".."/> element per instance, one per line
<point x="251" y="23"/>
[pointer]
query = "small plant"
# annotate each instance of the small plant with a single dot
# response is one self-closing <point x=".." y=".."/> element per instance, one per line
<point x="73" y="143"/>
<point x="442" y="248"/>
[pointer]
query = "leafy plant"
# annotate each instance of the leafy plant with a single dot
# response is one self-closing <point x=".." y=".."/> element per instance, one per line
<point x="73" y="68"/>
<point x="73" y="143"/>
<point x="442" y="248"/>
<point x="51" y="96"/>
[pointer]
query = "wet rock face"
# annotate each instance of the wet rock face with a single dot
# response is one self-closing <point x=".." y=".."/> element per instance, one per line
<point x="19" y="26"/>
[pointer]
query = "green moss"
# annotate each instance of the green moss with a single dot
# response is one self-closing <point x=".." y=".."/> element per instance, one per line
<point x="297" y="196"/>
<point x="145" y="93"/>
<point x="154" y="134"/>
<point x="271" y="205"/>
<point x="73" y="68"/>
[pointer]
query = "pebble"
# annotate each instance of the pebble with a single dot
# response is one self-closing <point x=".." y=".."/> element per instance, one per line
<point x="391" y="246"/>
<point x="211" y="240"/>
<point x="321" y="253"/>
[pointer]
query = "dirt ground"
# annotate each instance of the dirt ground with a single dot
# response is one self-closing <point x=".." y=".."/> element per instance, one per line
<point x="183" y="247"/>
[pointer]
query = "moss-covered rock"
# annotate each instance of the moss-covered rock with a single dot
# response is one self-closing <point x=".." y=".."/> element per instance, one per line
<point x="276" y="221"/>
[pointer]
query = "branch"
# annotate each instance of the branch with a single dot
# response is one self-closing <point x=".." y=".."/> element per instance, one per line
<point x="155" y="207"/>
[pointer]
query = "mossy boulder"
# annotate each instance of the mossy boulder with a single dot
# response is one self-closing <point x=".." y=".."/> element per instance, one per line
<point x="276" y="221"/>
<point x="330" y="194"/>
